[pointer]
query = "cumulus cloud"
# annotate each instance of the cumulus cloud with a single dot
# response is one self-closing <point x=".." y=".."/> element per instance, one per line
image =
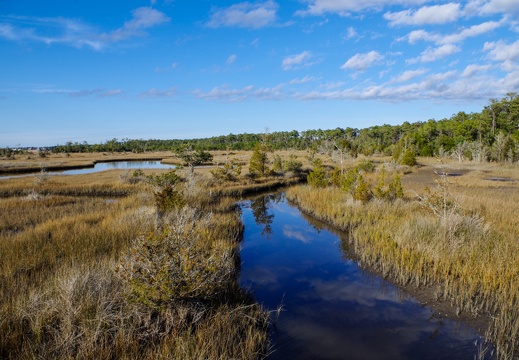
<point x="473" y="31"/>
<point x="245" y="15"/>
<point x="437" y="14"/>
<point x="346" y="7"/>
<point x="507" y="54"/>
<point x="489" y="7"/>
<point x="432" y="54"/>
<point x="474" y="69"/>
<point x="76" y="33"/>
<point x="361" y="62"/>
<point x="408" y="75"/>
<point x="298" y="61"/>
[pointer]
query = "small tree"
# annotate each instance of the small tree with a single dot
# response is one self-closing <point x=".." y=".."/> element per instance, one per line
<point x="258" y="161"/>
<point x="409" y="158"/>
<point x="193" y="158"/>
<point x="317" y="177"/>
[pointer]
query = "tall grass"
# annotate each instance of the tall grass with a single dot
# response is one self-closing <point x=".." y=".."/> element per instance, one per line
<point x="471" y="257"/>
<point x="61" y="296"/>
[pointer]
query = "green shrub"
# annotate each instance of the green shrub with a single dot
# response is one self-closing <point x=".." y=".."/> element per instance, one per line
<point x="317" y="177"/>
<point x="258" y="161"/>
<point x="366" y="165"/>
<point x="178" y="265"/>
<point x="409" y="158"/>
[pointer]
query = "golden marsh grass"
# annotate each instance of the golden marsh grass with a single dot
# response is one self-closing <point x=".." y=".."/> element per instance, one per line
<point x="61" y="241"/>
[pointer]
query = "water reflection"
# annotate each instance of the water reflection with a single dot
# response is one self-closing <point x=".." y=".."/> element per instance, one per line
<point x="102" y="166"/>
<point x="260" y="209"/>
<point x="332" y="309"/>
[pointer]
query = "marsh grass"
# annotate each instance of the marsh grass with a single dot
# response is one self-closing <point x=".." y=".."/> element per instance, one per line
<point x="61" y="296"/>
<point x="470" y="254"/>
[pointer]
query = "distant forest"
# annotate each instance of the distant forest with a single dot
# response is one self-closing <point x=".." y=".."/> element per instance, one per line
<point x="489" y="135"/>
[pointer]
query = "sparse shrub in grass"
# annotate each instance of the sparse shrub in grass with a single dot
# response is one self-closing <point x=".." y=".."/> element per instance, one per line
<point x="167" y="199"/>
<point x="180" y="264"/>
<point x="393" y="190"/>
<point x="229" y="171"/>
<point x="366" y="165"/>
<point x="277" y="164"/>
<point x="316" y="177"/>
<point x="292" y="164"/>
<point x="336" y="178"/>
<point x="168" y="178"/>
<point x="134" y="177"/>
<point x="409" y="158"/>
<point x="362" y="190"/>
<point x="355" y="184"/>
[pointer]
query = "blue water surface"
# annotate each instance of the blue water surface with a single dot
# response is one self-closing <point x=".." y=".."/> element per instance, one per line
<point x="332" y="308"/>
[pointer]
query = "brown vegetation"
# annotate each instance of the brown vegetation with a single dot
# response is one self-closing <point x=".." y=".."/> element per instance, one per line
<point x="76" y="257"/>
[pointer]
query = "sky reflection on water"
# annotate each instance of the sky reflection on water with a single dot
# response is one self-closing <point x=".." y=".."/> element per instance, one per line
<point x="102" y="166"/>
<point x="332" y="309"/>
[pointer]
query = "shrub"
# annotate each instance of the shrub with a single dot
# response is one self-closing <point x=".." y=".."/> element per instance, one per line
<point x="292" y="164"/>
<point x="180" y="264"/>
<point x="229" y="171"/>
<point x="409" y="158"/>
<point x="366" y="165"/>
<point x="316" y="177"/>
<point x="258" y="162"/>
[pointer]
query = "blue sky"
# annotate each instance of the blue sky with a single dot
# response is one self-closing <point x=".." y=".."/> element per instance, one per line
<point x="77" y="70"/>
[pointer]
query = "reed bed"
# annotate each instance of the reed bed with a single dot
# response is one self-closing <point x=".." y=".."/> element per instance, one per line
<point x="62" y="294"/>
<point x="470" y="256"/>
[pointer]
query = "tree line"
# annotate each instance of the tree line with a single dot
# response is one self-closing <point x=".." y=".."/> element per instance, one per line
<point x="489" y="135"/>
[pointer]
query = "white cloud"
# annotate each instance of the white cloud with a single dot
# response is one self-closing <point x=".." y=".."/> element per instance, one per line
<point x="408" y="75"/>
<point x="224" y="93"/>
<point x="231" y="59"/>
<point x="437" y="14"/>
<point x="432" y="54"/>
<point x="507" y="54"/>
<point x="245" y="15"/>
<point x="421" y="35"/>
<point x="303" y="80"/>
<point x="474" y="69"/>
<point x="155" y="93"/>
<point x="488" y="7"/>
<point x="472" y="31"/>
<point x="351" y="33"/>
<point x="76" y="33"/>
<point x="361" y="62"/>
<point x="298" y="61"/>
<point x="143" y="18"/>
<point x="345" y="7"/>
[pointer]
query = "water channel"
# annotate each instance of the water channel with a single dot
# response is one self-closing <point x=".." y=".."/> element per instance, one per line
<point x="332" y="308"/>
<point x="102" y="166"/>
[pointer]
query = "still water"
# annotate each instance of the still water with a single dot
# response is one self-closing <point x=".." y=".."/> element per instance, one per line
<point x="331" y="308"/>
<point x="102" y="166"/>
<point x="152" y="164"/>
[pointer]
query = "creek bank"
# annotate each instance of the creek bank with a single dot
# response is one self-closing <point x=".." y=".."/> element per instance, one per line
<point x="381" y="253"/>
<point x="425" y="295"/>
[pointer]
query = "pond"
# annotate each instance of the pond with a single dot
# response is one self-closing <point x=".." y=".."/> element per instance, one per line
<point x="332" y="308"/>
<point x="102" y="166"/>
